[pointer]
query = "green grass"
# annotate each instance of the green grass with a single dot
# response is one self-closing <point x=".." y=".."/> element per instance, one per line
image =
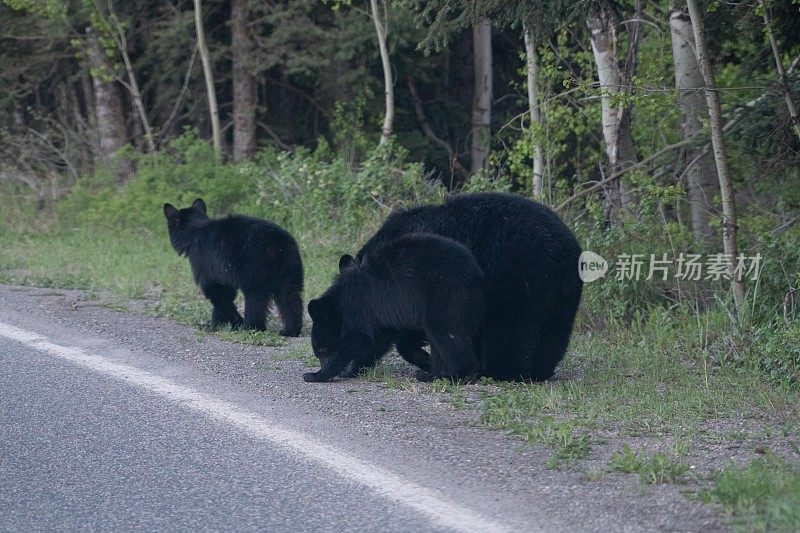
<point x="626" y="461"/>
<point x="656" y="469"/>
<point x="661" y="468"/>
<point x="617" y="379"/>
<point x="764" y="496"/>
<point x="269" y="338"/>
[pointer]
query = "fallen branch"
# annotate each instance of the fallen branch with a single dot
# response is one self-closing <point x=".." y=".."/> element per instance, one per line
<point x="282" y="145"/>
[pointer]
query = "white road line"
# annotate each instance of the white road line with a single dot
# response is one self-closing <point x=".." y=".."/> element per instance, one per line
<point x="386" y="483"/>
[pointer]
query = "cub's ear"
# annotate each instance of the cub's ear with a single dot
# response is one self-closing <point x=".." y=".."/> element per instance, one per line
<point x="315" y="309"/>
<point x="171" y="212"/>
<point x="200" y="206"/>
<point x="345" y="262"/>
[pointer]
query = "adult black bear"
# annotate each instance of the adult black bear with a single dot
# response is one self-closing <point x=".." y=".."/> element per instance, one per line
<point x="239" y="252"/>
<point x="530" y="260"/>
<point x="421" y="283"/>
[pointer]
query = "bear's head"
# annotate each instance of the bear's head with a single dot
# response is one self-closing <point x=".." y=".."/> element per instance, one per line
<point x="181" y="223"/>
<point x="326" y="315"/>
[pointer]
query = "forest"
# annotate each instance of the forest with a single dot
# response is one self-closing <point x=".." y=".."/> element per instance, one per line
<point x="665" y="133"/>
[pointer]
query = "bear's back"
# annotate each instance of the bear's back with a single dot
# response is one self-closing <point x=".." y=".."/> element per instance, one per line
<point x="501" y="230"/>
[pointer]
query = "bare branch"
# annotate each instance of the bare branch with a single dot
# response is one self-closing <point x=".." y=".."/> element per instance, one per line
<point x="429" y="133"/>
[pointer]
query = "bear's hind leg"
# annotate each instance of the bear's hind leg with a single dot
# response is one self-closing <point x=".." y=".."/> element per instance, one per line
<point x="552" y="346"/>
<point x="221" y="297"/>
<point x="255" y="310"/>
<point x="290" y="308"/>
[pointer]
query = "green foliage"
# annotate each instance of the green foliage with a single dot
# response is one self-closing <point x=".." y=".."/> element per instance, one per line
<point x="330" y="191"/>
<point x="348" y="127"/>
<point x="764" y="496"/>
<point x="780" y="267"/>
<point x="621" y="294"/>
<point x="44" y="8"/>
<point x="185" y="170"/>
<point x="568" y="138"/>
<point x="775" y="350"/>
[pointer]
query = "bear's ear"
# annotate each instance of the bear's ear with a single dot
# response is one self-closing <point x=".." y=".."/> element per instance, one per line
<point x="345" y="262"/>
<point x="315" y="309"/>
<point x="171" y="212"/>
<point x="200" y="206"/>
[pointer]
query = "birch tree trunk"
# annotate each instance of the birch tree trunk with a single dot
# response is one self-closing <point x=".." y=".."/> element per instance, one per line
<point x="619" y="145"/>
<point x="388" y="81"/>
<point x="109" y="118"/>
<point x="718" y="143"/>
<point x="213" y="109"/>
<point x="700" y="173"/>
<point x="482" y="96"/>
<point x="783" y="81"/>
<point x="532" y="57"/>
<point x="244" y="84"/>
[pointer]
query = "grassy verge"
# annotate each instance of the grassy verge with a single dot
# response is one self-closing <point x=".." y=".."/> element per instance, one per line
<point x="764" y="496"/>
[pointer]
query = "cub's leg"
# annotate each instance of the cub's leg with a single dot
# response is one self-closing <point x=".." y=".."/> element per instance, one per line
<point x="290" y="308"/>
<point x="221" y="297"/>
<point x="256" y="304"/>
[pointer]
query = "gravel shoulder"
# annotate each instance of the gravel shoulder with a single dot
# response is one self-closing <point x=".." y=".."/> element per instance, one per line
<point x="412" y="430"/>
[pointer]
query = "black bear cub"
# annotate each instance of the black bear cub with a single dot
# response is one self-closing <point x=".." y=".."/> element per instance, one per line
<point x="419" y="286"/>
<point x="240" y="252"/>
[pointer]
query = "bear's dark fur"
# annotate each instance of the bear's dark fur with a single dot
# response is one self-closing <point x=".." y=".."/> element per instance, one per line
<point x="239" y="252"/>
<point x="426" y="286"/>
<point x="530" y="260"/>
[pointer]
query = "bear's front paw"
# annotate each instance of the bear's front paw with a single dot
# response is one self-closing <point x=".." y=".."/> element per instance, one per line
<point x="311" y="377"/>
<point x="289" y="333"/>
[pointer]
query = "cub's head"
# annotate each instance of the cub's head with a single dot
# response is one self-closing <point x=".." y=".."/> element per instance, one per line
<point x="181" y="223"/>
<point x="326" y="316"/>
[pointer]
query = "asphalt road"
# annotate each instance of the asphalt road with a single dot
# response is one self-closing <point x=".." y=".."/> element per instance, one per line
<point x="119" y="421"/>
<point x="84" y="451"/>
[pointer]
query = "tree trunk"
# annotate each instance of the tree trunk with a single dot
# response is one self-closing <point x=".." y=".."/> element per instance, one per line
<point x="783" y="81"/>
<point x="108" y="110"/>
<point x="536" y="116"/>
<point x="482" y="96"/>
<point x="245" y="89"/>
<point x="118" y="32"/>
<point x="718" y="143"/>
<point x="700" y="174"/>
<point x="619" y="146"/>
<point x="213" y="109"/>
<point x="388" y="81"/>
